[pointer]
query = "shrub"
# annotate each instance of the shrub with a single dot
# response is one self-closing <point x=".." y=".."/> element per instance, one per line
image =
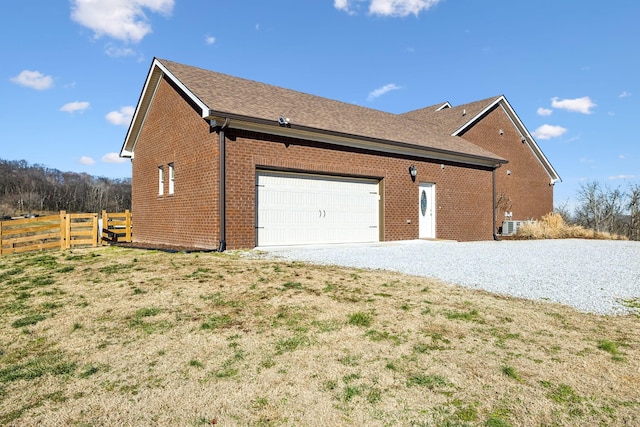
<point x="552" y="226"/>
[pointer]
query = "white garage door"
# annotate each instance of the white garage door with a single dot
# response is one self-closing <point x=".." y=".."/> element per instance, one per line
<point x="298" y="209"/>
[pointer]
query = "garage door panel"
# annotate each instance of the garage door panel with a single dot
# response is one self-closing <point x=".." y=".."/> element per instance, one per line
<point x="310" y="209"/>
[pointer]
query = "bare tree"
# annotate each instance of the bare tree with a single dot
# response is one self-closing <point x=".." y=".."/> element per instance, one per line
<point x="608" y="210"/>
<point x="600" y="208"/>
<point x="28" y="188"/>
<point x="564" y="212"/>
<point x="634" y="211"/>
<point x="613" y="209"/>
<point x="589" y="212"/>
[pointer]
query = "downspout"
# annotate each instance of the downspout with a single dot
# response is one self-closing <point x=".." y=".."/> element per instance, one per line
<point x="493" y="183"/>
<point x="223" y="187"/>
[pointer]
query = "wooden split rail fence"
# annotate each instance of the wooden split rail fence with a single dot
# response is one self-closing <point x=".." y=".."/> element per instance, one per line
<point x="64" y="231"/>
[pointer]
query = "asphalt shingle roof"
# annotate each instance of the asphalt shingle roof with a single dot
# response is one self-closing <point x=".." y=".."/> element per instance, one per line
<point x="223" y="93"/>
<point x="449" y="120"/>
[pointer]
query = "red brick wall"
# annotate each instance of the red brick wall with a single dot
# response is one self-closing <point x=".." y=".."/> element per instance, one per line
<point x="174" y="133"/>
<point x="526" y="190"/>
<point x="463" y="195"/>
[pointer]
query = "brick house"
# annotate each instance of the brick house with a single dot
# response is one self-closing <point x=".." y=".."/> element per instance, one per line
<point x="219" y="161"/>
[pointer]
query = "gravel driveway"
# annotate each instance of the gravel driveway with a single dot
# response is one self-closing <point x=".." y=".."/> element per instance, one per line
<point x="590" y="275"/>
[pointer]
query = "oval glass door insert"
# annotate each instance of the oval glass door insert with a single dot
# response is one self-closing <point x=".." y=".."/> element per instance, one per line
<point x="423" y="203"/>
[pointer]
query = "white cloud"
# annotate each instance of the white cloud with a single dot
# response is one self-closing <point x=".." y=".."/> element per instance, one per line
<point x="400" y="7"/>
<point x="74" y="106"/>
<point x="578" y="105"/>
<point x="549" y="131"/>
<point x="33" y="79"/>
<point x="382" y="90"/>
<point x="622" y="177"/>
<point x="343" y="5"/>
<point x="118" y="52"/>
<point x="544" y="111"/>
<point x="624" y="94"/>
<point x="85" y="160"/>
<point x="621" y="156"/>
<point x="394" y="8"/>
<point x="120" y="19"/>
<point x="209" y="40"/>
<point x="121" y="117"/>
<point x="113" y="158"/>
<point x="572" y="139"/>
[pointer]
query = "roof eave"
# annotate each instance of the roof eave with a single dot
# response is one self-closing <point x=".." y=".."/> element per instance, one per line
<point x="528" y="138"/>
<point x="351" y="140"/>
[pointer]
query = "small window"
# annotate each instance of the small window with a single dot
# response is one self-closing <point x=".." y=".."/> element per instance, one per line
<point x="172" y="177"/>
<point x="160" y="181"/>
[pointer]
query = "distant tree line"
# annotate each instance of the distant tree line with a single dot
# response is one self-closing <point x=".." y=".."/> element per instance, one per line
<point x="604" y="209"/>
<point x="35" y="189"/>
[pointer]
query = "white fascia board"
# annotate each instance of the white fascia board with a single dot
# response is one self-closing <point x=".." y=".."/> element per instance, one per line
<point x="443" y="106"/>
<point x="139" y="114"/>
<point x="477" y="116"/>
<point x="553" y="175"/>
<point x="508" y="109"/>
<point x="204" y="109"/>
<point x="156" y="72"/>
<point x="361" y="143"/>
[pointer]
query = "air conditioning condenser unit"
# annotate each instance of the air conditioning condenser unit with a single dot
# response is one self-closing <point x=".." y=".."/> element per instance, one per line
<point x="509" y="228"/>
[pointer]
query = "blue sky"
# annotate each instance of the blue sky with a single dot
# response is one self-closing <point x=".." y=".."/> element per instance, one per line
<point x="72" y="70"/>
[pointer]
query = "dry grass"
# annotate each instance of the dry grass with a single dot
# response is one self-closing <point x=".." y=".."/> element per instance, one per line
<point x="115" y="336"/>
<point x="552" y="226"/>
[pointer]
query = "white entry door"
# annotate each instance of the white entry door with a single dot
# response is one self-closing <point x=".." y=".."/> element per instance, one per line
<point x="426" y="211"/>
<point x="298" y="209"/>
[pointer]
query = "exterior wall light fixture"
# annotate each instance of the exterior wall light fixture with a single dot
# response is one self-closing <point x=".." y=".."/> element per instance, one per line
<point x="284" y="122"/>
<point x="413" y="172"/>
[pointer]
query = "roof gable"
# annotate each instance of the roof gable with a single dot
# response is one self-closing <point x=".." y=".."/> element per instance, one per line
<point x="450" y="118"/>
<point x="501" y="102"/>
<point x="220" y="96"/>
<point x="457" y="120"/>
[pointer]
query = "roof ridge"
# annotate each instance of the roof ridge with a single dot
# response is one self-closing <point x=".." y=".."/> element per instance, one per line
<point x="284" y="89"/>
<point x="249" y="101"/>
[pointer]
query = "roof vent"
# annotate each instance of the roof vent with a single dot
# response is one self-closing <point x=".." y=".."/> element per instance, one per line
<point x="464" y="112"/>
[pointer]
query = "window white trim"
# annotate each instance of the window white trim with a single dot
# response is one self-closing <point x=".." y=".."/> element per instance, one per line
<point x="172" y="178"/>
<point x="160" y="181"/>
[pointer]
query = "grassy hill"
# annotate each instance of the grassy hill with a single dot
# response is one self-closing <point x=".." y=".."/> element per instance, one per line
<point x="121" y="336"/>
